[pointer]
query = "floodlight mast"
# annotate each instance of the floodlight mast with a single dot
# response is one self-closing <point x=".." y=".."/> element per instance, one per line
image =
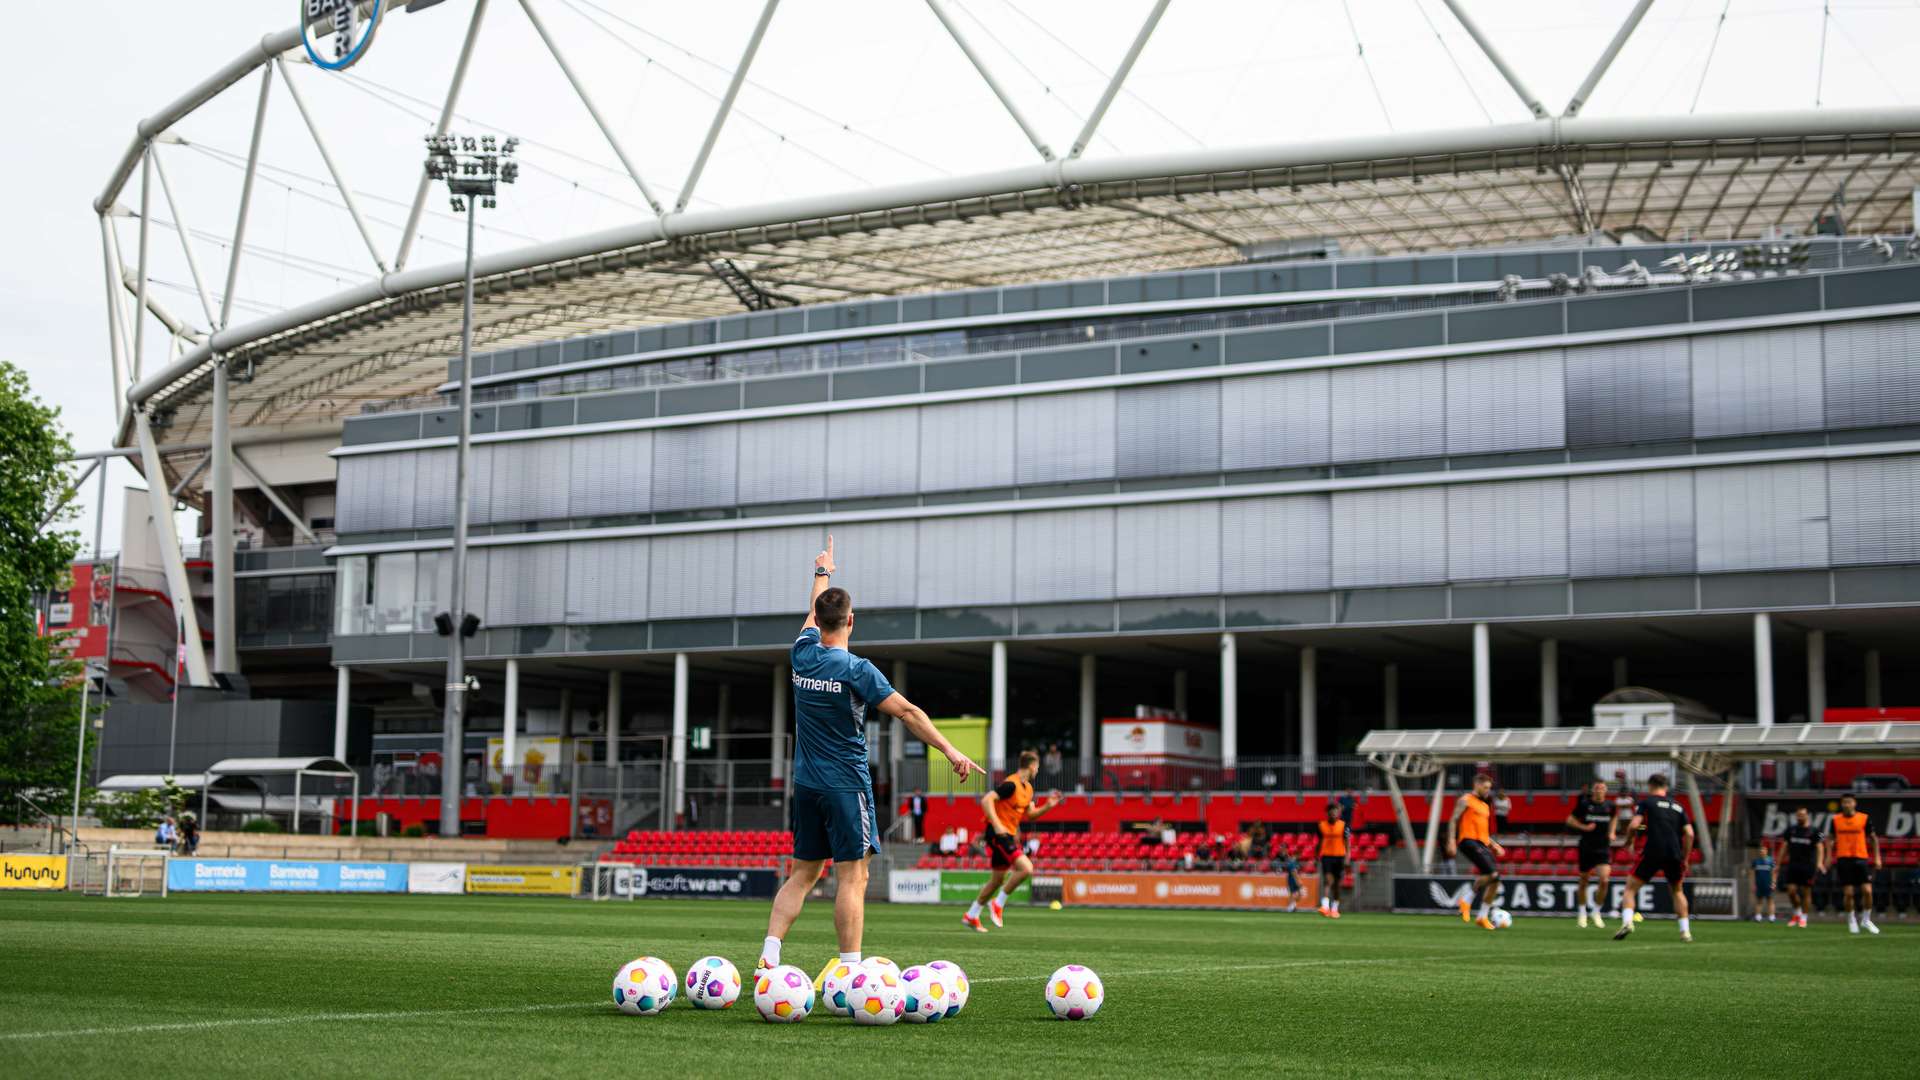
<point x="473" y="169"/>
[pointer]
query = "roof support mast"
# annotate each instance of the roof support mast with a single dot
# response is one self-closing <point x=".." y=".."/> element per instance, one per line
<point x="993" y="84"/>
<point x="1527" y="97"/>
<point x="1600" y="66"/>
<point x="446" y="120"/>
<point x="726" y="106"/>
<point x="1119" y="77"/>
<point x="593" y="110"/>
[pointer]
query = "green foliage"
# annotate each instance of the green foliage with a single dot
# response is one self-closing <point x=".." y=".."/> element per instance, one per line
<point x="262" y="825"/>
<point x="416" y="829"/>
<point x="39" y="685"/>
<point x="141" y="809"/>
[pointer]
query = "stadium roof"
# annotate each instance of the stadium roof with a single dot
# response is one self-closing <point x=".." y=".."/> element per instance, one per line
<point x="1535" y="181"/>
<point x="1721" y="744"/>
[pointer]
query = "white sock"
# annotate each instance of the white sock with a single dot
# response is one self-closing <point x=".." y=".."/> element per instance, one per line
<point x="1683" y="925"/>
<point x="1486" y="911"/>
<point x="1853" y="917"/>
<point x="1336" y="905"/>
<point x="1324" y="903"/>
<point x="1626" y="916"/>
<point x="973" y="910"/>
<point x="770" y="951"/>
<point x="850" y="957"/>
<point x="1001" y="899"/>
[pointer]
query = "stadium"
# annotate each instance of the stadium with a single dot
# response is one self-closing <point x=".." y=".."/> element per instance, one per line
<point x="1209" y="484"/>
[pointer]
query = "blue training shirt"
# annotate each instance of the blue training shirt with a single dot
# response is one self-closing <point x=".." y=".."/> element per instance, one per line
<point x="831" y="691"/>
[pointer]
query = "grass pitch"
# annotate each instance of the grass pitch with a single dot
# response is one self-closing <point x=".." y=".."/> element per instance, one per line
<point x="211" y="985"/>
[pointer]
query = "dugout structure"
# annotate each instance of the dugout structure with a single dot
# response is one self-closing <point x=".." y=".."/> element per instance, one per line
<point x="1693" y="750"/>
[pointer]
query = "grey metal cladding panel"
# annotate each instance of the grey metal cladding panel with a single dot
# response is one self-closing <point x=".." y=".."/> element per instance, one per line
<point x="1063" y="555"/>
<point x="783" y="460"/>
<point x="1170" y="430"/>
<point x="966" y="445"/>
<point x="1064" y="437"/>
<point x="793" y="390"/>
<point x="1393" y="332"/>
<point x="1512" y="529"/>
<point x="1628" y="392"/>
<point x="1508" y="401"/>
<point x="1083" y="362"/>
<point x="377" y="492"/>
<point x="873" y="453"/>
<point x="773" y="568"/>
<point x="1650" y="308"/>
<point x="1894" y="285"/>
<point x="531" y="479"/>
<point x="612" y="474"/>
<point x="526" y="586"/>
<point x="876" y="382"/>
<point x="1182" y="352"/>
<point x="1631" y="524"/>
<point x="1761" y="517"/>
<point x="1873" y="372"/>
<point x="879" y="563"/>
<point x="1762" y="380"/>
<point x="687" y="400"/>
<point x="361" y="431"/>
<point x="966" y="561"/>
<point x="1168" y="550"/>
<point x="694" y="466"/>
<point x="1392" y="537"/>
<point x="1875" y="503"/>
<point x="607" y="580"/>
<point x="480" y="486"/>
<point x="1384" y="411"/>
<point x="1506" y="321"/>
<point x="1275" y="421"/>
<point x="1276" y="544"/>
<point x="691" y="576"/>
<point x="967" y="374"/>
<point x="433" y="489"/>
<point x="1288" y="343"/>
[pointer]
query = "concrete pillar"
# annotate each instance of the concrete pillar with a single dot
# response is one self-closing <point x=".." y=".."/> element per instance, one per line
<point x="682" y="683"/>
<point x="1229" y="703"/>
<point x="510" y="728"/>
<point x="226" y="651"/>
<point x="782" y="694"/>
<point x="342" y="702"/>
<point x="1763" y="668"/>
<point x="613" y="719"/>
<point x="1390" y="692"/>
<point x="1550" y="683"/>
<point x="1816" y="676"/>
<point x="1873" y="679"/>
<point x="1309" y="714"/>
<point x="722" y="722"/>
<point x="1180" y="693"/>
<point x="997" y="717"/>
<point x="1482" y="678"/>
<point x="1089" y="721"/>
<point x="1619" y="672"/>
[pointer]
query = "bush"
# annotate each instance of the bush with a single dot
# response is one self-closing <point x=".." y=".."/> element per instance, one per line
<point x="415" y="829"/>
<point x="262" y="825"/>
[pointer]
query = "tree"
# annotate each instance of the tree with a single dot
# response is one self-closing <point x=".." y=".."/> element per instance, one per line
<point x="39" y="682"/>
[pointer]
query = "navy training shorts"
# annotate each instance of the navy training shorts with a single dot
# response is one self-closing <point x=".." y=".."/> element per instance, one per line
<point x="837" y="825"/>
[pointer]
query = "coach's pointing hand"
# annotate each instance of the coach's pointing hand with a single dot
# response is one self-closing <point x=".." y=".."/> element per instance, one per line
<point x="824" y="560"/>
<point x="963" y="766"/>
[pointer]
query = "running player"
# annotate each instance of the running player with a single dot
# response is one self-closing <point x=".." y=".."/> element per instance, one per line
<point x="1806" y="859"/>
<point x="1333" y="860"/>
<point x="832" y="792"/>
<point x="1763" y="869"/>
<point x="1592" y="819"/>
<point x="1007" y="808"/>
<point x="1851" y="833"/>
<point x="1669" y="845"/>
<point x="1290" y="866"/>
<point x="1470" y="833"/>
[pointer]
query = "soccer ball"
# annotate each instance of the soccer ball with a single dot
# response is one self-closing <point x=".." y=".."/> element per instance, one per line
<point x="645" y="986"/>
<point x="1074" y="993"/>
<point x="713" y="983"/>
<point x="833" y="985"/>
<point x="883" y="962"/>
<point x="783" y="995"/>
<point x="956" y="983"/>
<point x="929" y="993"/>
<point x="875" y="995"/>
<point x="1501" y="919"/>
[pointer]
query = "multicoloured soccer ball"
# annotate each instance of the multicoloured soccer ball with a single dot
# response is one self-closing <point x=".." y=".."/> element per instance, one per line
<point x="833" y="983"/>
<point x="929" y="993"/>
<point x="1501" y="919"/>
<point x="957" y="987"/>
<point x="645" y="987"/>
<point x="713" y="983"/>
<point x="1075" y="993"/>
<point x="783" y="995"/>
<point x="875" y="995"/>
<point x="883" y="962"/>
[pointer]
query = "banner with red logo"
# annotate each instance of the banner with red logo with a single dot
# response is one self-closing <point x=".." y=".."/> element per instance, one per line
<point x="1188" y="890"/>
<point x="80" y="614"/>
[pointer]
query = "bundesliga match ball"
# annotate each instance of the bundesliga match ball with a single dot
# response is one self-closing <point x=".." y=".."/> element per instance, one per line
<point x="1501" y="919"/>
<point x="956" y="983"/>
<point x="644" y="987"/>
<point x="882" y="962"/>
<point x="875" y="995"/>
<point x="833" y="984"/>
<point x="713" y="983"/>
<point x="1075" y="993"/>
<point x="930" y="993"/>
<point x="783" y="995"/>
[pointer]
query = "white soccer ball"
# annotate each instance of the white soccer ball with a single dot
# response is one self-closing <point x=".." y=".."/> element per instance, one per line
<point x="1075" y="993"/>
<point x="645" y="987"/>
<point x="956" y="982"/>
<point x="882" y="962"/>
<point x="1501" y="919"/>
<point x="713" y="983"/>
<point x="783" y="995"/>
<point x="929" y="993"/>
<point x="833" y="985"/>
<point x="875" y="995"/>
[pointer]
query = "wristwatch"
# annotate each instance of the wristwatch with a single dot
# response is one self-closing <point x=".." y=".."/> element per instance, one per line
<point x="821" y="571"/>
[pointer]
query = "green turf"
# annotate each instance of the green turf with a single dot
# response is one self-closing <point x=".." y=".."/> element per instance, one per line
<point x="209" y="985"/>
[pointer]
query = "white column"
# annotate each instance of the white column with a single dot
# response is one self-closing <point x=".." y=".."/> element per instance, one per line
<point x="613" y="719"/>
<point x="1550" y="683"/>
<point x="1390" y="692"/>
<point x="342" y="703"/>
<point x="226" y="651"/>
<point x="1763" y="668"/>
<point x="1873" y="679"/>
<point x="1089" y="720"/>
<point x="1816" y="676"/>
<point x="1620" y="677"/>
<point x="782" y="693"/>
<point x="1180" y="693"/>
<point x="1229" y="703"/>
<point x="1482" y="678"/>
<point x="682" y="682"/>
<point x="997" y="722"/>
<point x="510" y="728"/>
<point x="1309" y="714"/>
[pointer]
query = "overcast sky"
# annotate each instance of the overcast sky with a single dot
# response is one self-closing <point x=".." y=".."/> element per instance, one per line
<point x="844" y="94"/>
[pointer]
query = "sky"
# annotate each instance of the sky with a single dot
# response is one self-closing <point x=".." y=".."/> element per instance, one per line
<point x="844" y="94"/>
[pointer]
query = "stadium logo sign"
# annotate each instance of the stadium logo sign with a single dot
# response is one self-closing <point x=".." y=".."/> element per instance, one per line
<point x="1442" y="893"/>
<point x="335" y="34"/>
<point x="1891" y="816"/>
